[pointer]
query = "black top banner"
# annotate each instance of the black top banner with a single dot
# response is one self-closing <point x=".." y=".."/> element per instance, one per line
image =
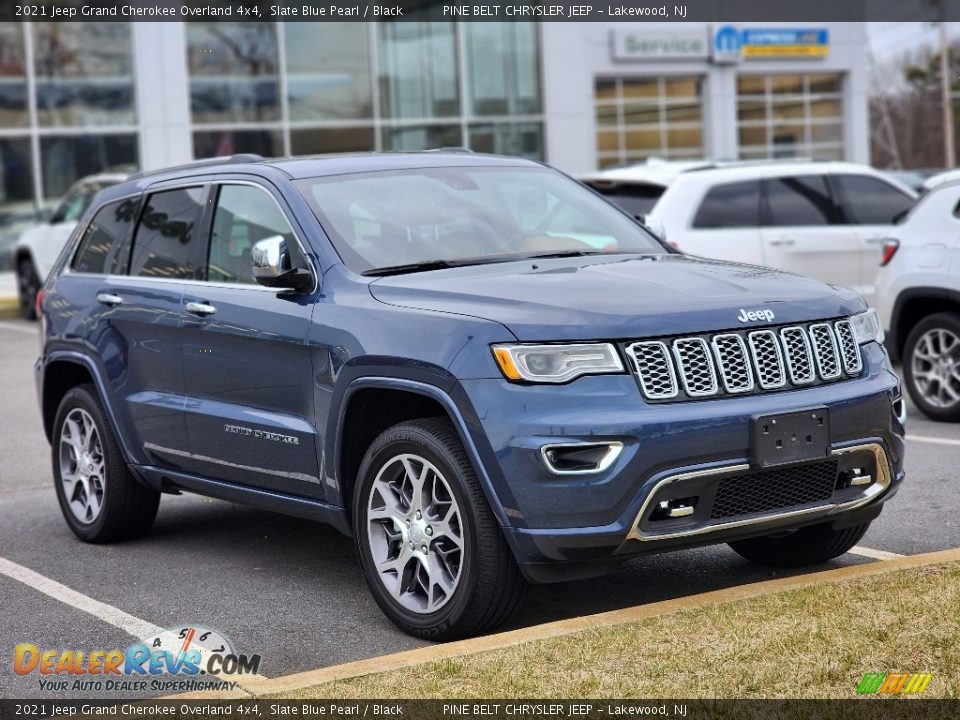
<point x="480" y="10"/>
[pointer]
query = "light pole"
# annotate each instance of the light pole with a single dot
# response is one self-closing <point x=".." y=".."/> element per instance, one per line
<point x="949" y="154"/>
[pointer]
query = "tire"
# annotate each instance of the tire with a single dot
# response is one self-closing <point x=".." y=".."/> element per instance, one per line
<point x="931" y="366"/>
<point x="807" y="546"/>
<point x="471" y="590"/>
<point x="106" y="502"/>
<point x="28" y="285"/>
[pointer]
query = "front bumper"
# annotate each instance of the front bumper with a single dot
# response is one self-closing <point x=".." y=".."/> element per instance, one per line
<point x="565" y="526"/>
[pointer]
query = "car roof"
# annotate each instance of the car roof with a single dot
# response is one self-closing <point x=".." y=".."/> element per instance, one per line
<point x="652" y="172"/>
<point x="337" y="164"/>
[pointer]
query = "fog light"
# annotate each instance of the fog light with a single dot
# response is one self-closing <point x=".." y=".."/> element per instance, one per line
<point x="580" y="458"/>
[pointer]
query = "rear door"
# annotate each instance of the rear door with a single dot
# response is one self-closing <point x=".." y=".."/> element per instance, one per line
<point x="872" y="207"/>
<point x="248" y="371"/>
<point x="134" y="296"/>
<point x="803" y="232"/>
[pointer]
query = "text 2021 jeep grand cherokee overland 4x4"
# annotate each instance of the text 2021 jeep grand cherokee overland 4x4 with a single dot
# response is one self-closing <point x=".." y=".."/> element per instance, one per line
<point x="476" y="367"/>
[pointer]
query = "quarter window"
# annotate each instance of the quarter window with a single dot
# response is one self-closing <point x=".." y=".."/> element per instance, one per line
<point x="244" y="216"/>
<point x="105" y="246"/>
<point x="733" y="205"/>
<point x="803" y="200"/>
<point x="872" y="202"/>
<point x="169" y="242"/>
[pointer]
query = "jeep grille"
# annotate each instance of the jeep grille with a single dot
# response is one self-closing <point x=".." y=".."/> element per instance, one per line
<point x="737" y="363"/>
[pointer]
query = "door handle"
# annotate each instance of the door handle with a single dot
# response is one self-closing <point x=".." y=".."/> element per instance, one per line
<point x="109" y="299"/>
<point x="875" y="240"/>
<point x="200" y="309"/>
<point x="783" y="242"/>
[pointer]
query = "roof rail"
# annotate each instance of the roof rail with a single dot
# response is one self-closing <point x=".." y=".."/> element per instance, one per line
<point x="450" y="149"/>
<point x="223" y="160"/>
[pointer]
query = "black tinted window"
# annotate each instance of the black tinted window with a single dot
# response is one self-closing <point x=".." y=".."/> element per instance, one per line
<point x="244" y="216"/>
<point x="169" y="242"/>
<point x="730" y="206"/>
<point x="636" y="200"/>
<point x="870" y="201"/>
<point x="803" y="200"/>
<point x="105" y="246"/>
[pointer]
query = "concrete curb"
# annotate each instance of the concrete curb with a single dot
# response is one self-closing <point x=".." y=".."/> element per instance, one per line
<point x="9" y="308"/>
<point x="395" y="661"/>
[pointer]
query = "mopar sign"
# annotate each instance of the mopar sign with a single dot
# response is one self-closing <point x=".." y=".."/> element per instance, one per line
<point x="731" y="44"/>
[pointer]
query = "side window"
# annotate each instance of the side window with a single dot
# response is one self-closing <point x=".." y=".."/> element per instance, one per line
<point x="244" y="216"/>
<point x="105" y="246"/>
<point x="802" y="200"/>
<point x="870" y="201"/>
<point x="733" y="205"/>
<point x="169" y="242"/>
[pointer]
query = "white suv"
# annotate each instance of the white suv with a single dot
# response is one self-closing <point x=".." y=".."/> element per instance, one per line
<point x="918" y="291"/>
<point x="39" y="246"/>
<point x="827" y="220"/>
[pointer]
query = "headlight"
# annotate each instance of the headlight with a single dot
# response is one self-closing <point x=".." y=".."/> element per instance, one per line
<point x="556" y="363"/>
<point x="867" y="327"/>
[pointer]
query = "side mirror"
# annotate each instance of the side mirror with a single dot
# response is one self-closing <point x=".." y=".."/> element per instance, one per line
<point x="272" y="267"/>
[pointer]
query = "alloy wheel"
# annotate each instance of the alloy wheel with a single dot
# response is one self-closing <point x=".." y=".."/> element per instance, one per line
<point x="415" y="533"/>
<point x="82" y="467"/>
<point x="935" y="365"/>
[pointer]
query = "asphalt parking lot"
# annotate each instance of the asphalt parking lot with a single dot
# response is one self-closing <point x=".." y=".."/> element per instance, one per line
<point x="290" y="589"/>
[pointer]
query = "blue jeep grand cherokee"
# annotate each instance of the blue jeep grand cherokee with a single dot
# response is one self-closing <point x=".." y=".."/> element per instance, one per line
<point x="473" y="365"/>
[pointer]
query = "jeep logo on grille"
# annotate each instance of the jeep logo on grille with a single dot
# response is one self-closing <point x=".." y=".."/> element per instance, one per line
<point x="754" y="315"/>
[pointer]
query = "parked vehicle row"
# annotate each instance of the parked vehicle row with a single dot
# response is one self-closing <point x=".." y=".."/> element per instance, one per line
<point x="836" y="222"/>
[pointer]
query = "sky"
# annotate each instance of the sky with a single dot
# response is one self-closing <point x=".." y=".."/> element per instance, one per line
<point x="888" y="40"/>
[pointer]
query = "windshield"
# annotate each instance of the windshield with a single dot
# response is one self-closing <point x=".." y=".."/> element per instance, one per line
<point x="466" y="215"/>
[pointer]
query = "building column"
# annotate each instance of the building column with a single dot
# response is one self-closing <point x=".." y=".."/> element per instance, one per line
<point x="162" y="93"/>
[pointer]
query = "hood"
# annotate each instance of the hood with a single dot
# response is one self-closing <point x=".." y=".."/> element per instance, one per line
<point x="599" y="298"/>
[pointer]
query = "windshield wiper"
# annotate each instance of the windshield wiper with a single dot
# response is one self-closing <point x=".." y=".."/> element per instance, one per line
<point x="428" y="265"/>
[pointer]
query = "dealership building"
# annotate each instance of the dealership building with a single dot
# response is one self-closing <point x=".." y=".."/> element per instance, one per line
<point x="76" y="98"/>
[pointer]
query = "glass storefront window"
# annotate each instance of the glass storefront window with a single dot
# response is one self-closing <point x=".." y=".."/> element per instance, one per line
<point x="520" y="139"/>
<point x="233" y="72"/>
<point x="782" y="116"/>
<point x="316" y="141"/>
<point x="418" y="70"/>
<point x="421" y="137"/>
<point x="217" y="143"/>
<point x="503" y="68"/>
<point x="66" y="158"/>
<point x="13" y="82"/>
<point x="328" y="71"/>
<point x="16" y="195"/>
<point x="638" y="118"/>
<point x="84" y="74"/>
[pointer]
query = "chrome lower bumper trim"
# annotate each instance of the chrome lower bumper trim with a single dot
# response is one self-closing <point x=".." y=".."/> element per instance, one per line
<point x="871" y="492"/>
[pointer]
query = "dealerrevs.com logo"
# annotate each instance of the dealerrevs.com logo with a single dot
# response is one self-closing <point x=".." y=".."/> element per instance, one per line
<point x="179" y="659"/>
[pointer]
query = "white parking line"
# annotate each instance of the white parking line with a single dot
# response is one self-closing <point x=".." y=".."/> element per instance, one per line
<point x="875" y="554"/>
<point x="109" y="614"/>
<point x="932" y="440"/>
<point x="18" y="328"/>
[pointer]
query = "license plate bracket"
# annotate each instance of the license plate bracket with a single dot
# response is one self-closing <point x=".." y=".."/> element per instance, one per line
<point x="792" y="437"/>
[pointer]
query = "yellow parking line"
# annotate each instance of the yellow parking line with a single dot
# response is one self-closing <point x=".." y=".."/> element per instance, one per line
<point x="875" y="554"/>
<point x="932" y="440"/>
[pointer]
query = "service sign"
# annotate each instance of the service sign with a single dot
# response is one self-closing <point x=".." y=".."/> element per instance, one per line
<point x="632" y="44"/>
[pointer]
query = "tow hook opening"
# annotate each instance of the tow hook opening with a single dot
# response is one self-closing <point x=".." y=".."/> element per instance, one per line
<point x="854" y="477"/>
<point x="676" y="508"/>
